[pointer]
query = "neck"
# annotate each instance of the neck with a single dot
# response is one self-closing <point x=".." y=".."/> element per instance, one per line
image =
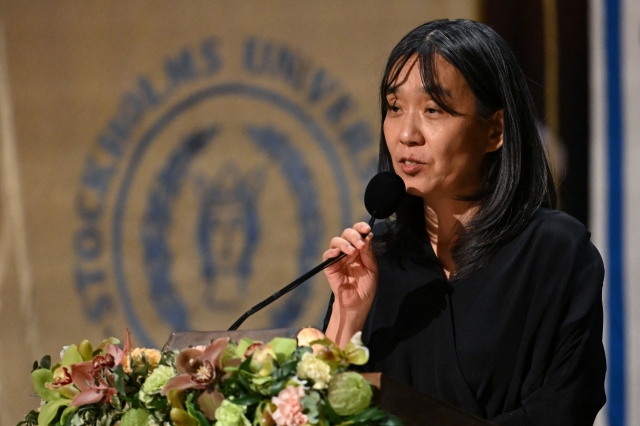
<point x="445" y="220"/>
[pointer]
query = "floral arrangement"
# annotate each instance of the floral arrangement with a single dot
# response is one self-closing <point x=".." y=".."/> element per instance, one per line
<point x="285" y="382"/>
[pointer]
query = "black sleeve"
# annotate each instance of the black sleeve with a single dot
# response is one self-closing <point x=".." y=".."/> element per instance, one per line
<point x="571" y="391"/>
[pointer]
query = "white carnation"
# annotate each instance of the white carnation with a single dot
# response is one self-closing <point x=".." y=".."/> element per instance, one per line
<point x="314" y="369"/>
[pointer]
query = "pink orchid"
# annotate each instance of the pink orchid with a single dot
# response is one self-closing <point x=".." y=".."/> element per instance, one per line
<point x="92" y="385"/>
<point x="95" y="378"/>
<point x="198" y="369"/>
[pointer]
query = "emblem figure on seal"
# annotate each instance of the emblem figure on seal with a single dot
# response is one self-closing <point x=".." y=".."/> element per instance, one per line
<point x="228" y="233"/>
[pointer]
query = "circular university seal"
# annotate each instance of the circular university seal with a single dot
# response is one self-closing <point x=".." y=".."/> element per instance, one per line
<point x="206" y="194"/>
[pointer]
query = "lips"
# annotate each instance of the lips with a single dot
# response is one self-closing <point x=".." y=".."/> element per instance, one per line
<point x="410" y="166"/>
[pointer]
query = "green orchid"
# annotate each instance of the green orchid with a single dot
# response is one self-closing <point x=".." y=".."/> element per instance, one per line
<point x="242" y="347"/>
<point x="356" y="352"/>
<point x="282" y="347"/>
<point x="262" y="360"/>
<point x="112" y="341"/>
<point x="56" y="387"/>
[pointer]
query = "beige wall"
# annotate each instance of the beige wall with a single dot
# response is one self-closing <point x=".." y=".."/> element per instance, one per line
<point x="129" y="116"/>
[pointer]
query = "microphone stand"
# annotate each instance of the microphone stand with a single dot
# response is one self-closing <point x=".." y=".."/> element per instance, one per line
<point x="278" y="294"/>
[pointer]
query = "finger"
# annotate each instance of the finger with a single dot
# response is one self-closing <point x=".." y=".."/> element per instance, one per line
<point x="342" y="244"/>
<point x="354" y="238"/>
<point x="337" y="263"/>
<point x="362" y="228"/>
<point x="332" y="252"/>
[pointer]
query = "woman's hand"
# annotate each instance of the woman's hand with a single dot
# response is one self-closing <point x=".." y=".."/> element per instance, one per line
<point x="353" y="280"/>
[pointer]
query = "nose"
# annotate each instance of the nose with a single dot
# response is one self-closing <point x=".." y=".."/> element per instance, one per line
<point x="409" y="132"/>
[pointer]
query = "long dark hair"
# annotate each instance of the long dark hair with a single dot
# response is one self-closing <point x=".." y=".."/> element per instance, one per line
<point x="518" y="179"/>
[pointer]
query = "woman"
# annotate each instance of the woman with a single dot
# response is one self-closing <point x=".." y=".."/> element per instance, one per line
<point x="477" y="292"/>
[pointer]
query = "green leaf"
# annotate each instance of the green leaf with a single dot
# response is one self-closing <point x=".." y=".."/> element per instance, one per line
<point x="246" y="365"/>
<point x="135" y="417"/>
<point x="119" y="384"/>
<point x="142" y="370"/>
<point x="260" y="416"/>
<point x="244" y="382"/>
<point x="311" y="404"/>
<point x="262" y="380"/>
<point x="276" y="387"/>
<point x="368" y="415"/>
<point x="39" y="378"/>
<point x="201" y="418"/>
<point x="247" y="400"/>
<point x="45" y="362"/>
<point x="50" y="411"/>
<point x="284" y="372"/>
<point x="31" y="419"/>
<point x="71" y="356"/>
<point x="334" y="418"/>
<point x="283" y="347"/>
<point x="68" y="412"/>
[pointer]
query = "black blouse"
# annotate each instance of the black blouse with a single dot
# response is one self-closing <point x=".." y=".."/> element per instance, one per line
<point x="518" y="343"/>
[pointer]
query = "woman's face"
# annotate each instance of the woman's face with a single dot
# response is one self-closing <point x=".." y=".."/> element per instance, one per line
<point x="438" y="155"/>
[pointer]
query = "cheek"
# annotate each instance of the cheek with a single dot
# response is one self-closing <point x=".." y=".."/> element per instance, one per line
<point x="388" y="134"/>
<point x="390" y="141"/>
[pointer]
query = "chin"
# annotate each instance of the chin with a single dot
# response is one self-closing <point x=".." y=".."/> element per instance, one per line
<point x="411" y="190"/>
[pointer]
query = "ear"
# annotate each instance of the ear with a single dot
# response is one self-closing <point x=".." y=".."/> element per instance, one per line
<point x="496" y="128"/>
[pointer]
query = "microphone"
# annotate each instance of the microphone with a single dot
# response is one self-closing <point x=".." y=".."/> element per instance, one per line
<point x="382" y="197"/>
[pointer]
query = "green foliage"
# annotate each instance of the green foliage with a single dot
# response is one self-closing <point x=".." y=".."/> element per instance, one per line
<point x="193" y="410"/>
<point x="312" y="404"/>
<point x="45" y="363"/>
<point x="119" y="382"/>
<point x="247" y="390"/>
<point x="31" y="419"/>
<point x="135" y="417"/>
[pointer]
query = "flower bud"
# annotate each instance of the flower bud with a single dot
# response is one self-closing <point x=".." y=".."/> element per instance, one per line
<point x="86" y="350"/>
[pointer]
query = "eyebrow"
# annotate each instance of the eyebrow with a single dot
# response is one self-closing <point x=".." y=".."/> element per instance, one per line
<point x="391" y="90"/>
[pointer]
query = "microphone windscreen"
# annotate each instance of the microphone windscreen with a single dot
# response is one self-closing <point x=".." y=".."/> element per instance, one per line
<point x="384" y="194"/>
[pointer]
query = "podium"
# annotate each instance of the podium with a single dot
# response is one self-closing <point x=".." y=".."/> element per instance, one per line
<point x="416" y="408"/>
<point x="413" y="407"/>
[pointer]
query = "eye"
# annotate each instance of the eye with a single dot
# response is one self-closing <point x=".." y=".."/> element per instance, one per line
<point x="391" y="106"/>
<point x="432" y="111"/>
